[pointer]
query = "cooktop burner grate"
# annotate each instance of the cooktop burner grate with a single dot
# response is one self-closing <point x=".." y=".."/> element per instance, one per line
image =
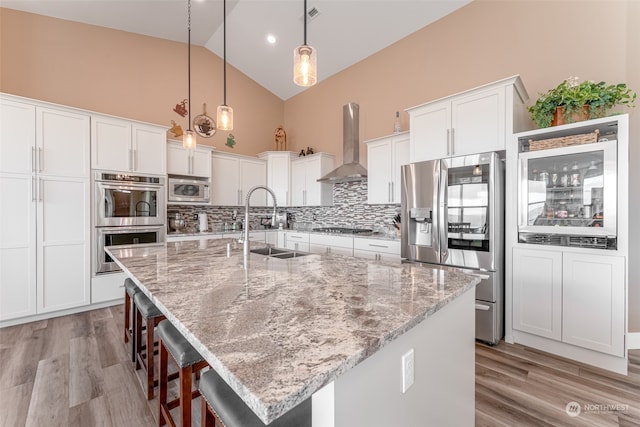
<point x="342" y="230"/>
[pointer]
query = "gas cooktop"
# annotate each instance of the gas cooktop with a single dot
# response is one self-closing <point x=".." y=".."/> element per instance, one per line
<point x="342" y="230"/>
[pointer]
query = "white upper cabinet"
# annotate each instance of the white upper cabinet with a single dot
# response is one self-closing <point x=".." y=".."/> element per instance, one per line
<point x="232" y="176"/>
<point x="305" y="188"/>
<point x="385" y="158"/>
<point x="122" y="145"/>
<point x="279" y="173"/>
<point x="182" y="161"/>
<point x="471" y="122"/>
<point x="17" y="137"/>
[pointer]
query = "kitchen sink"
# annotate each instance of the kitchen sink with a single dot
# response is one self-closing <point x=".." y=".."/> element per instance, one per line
<point x="278" y="253"/>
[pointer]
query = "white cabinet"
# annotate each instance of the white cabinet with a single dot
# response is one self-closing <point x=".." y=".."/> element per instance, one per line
<point x="232" y="177"/>
<point x="279" y="173"/>
<point x="182" y="161"/>
<point x="572" y="297"/>
<point x="44" y="209"/>
<point x="323" y="243"/>
<point x="388" y="250"/>
<point x="475" y="121"/>
<point x="297" y="241"/>
<point x="122" y="145"/>
<point x="385" y="157"/>
<point x="537" y="292"/>
<point x="305" y="188"/>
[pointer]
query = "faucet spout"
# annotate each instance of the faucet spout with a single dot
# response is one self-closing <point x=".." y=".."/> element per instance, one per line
<point x="246" y="214"/>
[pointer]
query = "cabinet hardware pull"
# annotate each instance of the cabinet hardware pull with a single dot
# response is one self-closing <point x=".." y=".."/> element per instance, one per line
<point x="378" y="246"/>
<point x="130" y="164"/>
<point x="40" y="159"/>
<point x="40" y="190"/>
<point x="135" y="160"/>
<point x="33" y="189"/>
<point x="389" y="191"/>
<point x="33" y="159"/>
<point x="448" y="141"/>
<point x="453" y="141"/>
<point x="393" y="192"/>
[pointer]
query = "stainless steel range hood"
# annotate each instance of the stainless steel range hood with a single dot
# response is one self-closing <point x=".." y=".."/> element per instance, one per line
<point x="351" y="169"/>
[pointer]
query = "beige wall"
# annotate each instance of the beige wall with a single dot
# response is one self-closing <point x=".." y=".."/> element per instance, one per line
<point x="131" y="76"/>
<point x="142" y="78"/>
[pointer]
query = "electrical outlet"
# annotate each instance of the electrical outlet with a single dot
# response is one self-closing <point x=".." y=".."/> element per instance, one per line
<point x="407" y="370"/>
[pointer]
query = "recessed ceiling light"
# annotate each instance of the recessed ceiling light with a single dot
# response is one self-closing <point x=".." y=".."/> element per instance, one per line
<point x="271" y="39"/>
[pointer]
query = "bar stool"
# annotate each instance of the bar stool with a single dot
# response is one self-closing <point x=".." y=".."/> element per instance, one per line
<point x="219" y="400"/>
<point x="147" y="311"/>
<point x="129" y="309"/>
<point x="189" y="361"/>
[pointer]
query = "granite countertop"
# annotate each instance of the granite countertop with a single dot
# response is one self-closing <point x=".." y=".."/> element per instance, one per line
<point x="277" y="330"/>
<point x="368" y="235"/>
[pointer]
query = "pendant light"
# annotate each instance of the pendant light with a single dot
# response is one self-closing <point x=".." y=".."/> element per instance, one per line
<point x="225" y="113"/>
<point x="304" y="60"/>
<point x="189" y="138"/>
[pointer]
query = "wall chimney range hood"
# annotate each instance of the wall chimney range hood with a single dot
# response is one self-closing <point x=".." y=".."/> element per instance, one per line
<point x="351" y="169"/>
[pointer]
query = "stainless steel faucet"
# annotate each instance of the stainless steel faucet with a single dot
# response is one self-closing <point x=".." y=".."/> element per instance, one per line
<point x="246" y="214"/>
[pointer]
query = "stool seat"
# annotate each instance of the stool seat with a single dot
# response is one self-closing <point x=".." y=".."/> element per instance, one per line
<point x="183" y="353"/>
<point x="233" y="412"/>
<point x="131" y="287"/>
<point x="147" y="309"/>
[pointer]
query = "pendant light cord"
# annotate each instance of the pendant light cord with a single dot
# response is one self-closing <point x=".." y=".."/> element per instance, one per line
<point x="189" y="58"/>
<point x="224" y="49"/>
<point x="305" y="22"/>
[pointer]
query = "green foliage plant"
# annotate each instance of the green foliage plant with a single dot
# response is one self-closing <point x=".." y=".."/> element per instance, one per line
<point x="573" y="96"/>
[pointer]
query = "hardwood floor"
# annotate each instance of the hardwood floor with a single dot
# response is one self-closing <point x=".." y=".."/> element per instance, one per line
<point x="74" y="371"/>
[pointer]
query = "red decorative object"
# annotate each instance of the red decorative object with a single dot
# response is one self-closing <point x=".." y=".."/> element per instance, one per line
<point x="181" y="108"/>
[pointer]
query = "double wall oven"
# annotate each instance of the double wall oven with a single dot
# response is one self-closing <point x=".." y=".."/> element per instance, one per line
<point x="128" y="210"/>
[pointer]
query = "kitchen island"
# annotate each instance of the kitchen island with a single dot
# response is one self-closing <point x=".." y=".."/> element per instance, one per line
<point x="328" y="327"/>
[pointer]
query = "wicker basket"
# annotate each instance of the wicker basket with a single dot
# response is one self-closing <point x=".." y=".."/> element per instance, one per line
<point x="564" y="141"/>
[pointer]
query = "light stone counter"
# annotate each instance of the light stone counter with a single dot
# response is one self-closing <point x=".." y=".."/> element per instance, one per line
<point x="280" y="330"/>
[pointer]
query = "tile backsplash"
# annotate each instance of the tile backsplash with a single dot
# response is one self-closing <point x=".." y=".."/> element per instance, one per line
<point x="350" y="209"/>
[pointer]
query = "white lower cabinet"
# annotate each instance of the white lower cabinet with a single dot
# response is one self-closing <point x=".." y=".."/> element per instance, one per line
<point x="327" y="244"/>
<point x="296" y="240"/>
<point x="387" y="250"/>
<point x="572" y="297"/>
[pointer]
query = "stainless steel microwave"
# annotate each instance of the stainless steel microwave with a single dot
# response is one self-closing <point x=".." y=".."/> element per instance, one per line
<point x="183" y="190"/>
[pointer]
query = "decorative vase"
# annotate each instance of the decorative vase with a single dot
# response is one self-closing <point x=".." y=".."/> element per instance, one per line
<point x="577" y="116"/>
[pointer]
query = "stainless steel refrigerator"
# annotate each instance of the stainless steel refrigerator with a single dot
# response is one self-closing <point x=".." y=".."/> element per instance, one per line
<point x="453" y="214"/>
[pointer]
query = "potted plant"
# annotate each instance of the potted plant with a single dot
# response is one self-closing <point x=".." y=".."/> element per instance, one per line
<point x="572" y="101"/>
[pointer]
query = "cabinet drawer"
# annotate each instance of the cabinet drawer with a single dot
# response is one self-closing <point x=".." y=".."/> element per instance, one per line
<point x="381" y="246"/>
<point x="327" y="240"/>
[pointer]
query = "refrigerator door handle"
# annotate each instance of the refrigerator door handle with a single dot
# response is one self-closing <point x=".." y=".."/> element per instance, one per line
<point x="442" y="213"/>
<point x="482" y="307"/>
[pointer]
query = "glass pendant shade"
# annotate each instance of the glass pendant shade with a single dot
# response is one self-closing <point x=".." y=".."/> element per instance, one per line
<point x="304" y="66"/>
<point x="225" y="117"/>
<point x="189" y="139"/>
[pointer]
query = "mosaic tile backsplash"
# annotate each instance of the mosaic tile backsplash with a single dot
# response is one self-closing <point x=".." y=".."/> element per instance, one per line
<point x="350" y="209"/>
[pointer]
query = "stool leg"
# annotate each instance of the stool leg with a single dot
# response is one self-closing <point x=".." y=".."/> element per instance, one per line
<point x="150" y="368"/>
<point x="127" y="314"/>
<point x="207" y="419"/>
<point x="163" y="381"/>
<point x="137" y="329"/>
<point x="185" y="395"/>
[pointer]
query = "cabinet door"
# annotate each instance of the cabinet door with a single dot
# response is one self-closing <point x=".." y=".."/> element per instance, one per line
<point x="400" y="156"/>
<point x="593" y="301"/>
<point x="379" y="169"/>
<point x="63" y="140"/>
<point x="278" y="176"/>
<point x="17" y="137"/>
<point x="430" y="127"/>
<point x="317" y="193"/>
<point x="298" y="183"/>
<point x="537" y="292"/>
<point x="478" y="123"/>
<point x="111" y="144"/>
<point x="178" y="160"/>
<point x="17" y="246"/>
<point x="225" y="190"/>
<point x="149" y="153"/>
<point x="254" y="173"/>
<point x="201" y="163"/>
<point x="63" y="247"/>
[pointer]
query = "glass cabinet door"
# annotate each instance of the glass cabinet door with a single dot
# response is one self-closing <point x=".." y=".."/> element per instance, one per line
<point x="569" y="190"/>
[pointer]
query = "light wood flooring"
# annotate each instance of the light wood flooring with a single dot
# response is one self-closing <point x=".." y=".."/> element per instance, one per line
<point x="75" y="371"/>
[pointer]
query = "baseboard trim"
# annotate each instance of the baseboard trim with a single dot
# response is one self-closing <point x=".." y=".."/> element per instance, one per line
<point x="51" y="315"/>
<point x="633" y="341"/>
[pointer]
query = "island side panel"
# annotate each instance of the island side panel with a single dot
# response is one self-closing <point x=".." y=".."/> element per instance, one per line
<point x="443" y="393"/>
